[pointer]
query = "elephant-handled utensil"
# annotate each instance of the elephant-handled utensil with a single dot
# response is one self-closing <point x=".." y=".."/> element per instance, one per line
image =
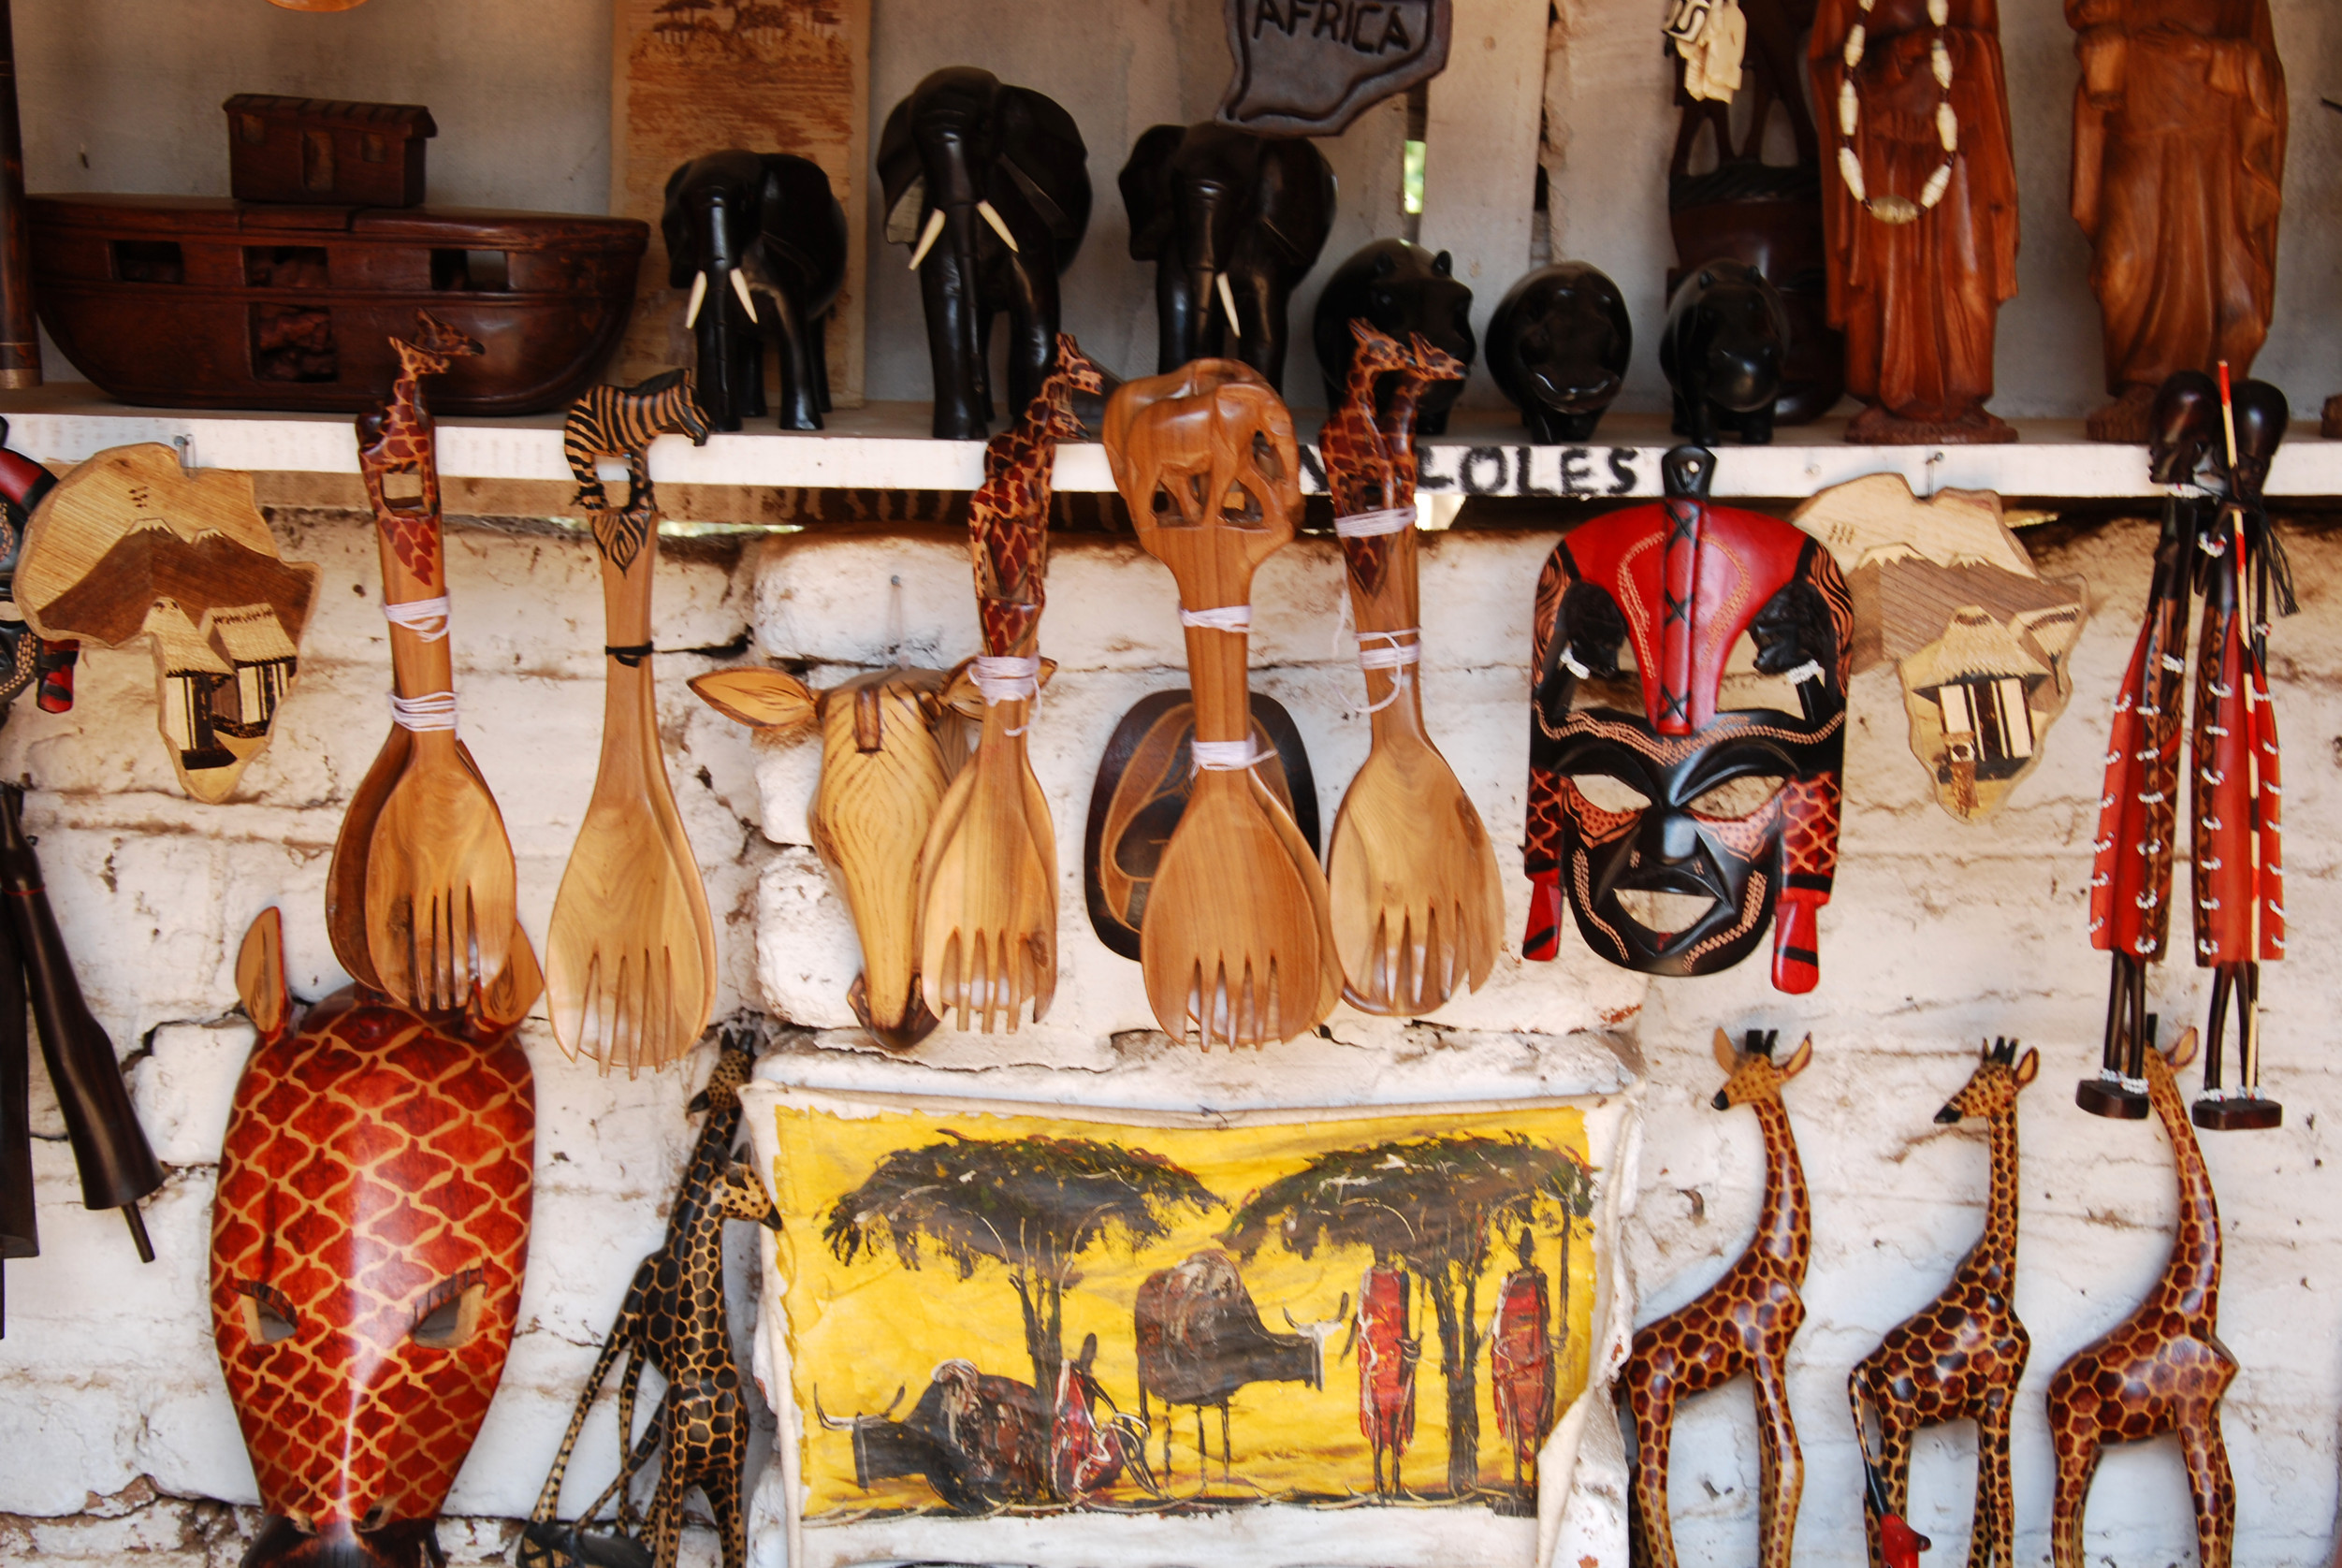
<point x="631" y="954"/>
<point x="988" y="873"/>
<point x="1417" y="907"/>
<point x="437" y="878"/>
<point x="1237" y="941"/>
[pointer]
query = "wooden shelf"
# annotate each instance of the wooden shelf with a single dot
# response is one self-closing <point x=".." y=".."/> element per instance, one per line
<point x="884" y="447"/>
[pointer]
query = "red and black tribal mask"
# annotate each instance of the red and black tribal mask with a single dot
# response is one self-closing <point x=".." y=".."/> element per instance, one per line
<point x="1680" y="829"/>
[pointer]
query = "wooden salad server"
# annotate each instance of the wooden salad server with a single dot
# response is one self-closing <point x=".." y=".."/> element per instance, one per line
<point x="1237" y="943"/>
<point x="988" y="874"/>
<point x="1418" y="908"/>
<point x="420" y="896"/>
<point x="631" y="955"/>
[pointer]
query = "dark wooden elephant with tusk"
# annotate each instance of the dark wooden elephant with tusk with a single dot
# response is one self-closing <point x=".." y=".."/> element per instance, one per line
<point x="742" y="227"/>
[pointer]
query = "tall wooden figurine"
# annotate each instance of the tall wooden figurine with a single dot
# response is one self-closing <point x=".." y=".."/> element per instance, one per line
<point x="1958" y="1358"/>
<point x="2178" y="164"/>
<point x="1743" y="1324"/>
<point x="1920" y="211"/>
<point x="2163" y="1368"/>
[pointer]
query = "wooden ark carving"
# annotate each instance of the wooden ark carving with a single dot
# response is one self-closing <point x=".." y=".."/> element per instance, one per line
<point x="1083" y="1336"/>
<point x="130" y="545"/>
<point x="777" y="75"/>
<point x="1305" y="68"/>
<point x="1945" y="592"/>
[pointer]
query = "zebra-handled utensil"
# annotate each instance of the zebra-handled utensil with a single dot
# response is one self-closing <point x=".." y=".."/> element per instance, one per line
<point x="631" y="961"/>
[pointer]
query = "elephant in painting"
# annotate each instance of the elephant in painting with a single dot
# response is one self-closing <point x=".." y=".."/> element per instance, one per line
<point x="990" y="186"/>
<point x="1232" y="221"/>
<point x="742" y="227"/>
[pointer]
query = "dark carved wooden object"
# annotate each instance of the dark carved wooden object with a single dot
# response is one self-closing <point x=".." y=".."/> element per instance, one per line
<point x="20" y="338"/>
<point x="325" y="151"/>
<point x="1306" y="70"/>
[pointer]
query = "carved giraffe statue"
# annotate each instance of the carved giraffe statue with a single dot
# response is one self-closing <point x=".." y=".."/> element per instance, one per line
<point x="395" y="436"/>
<point x="1743" y="1324"/>
<point x="1959" y="1358"/>
<point x="1008" y="516"/>
<point x="2163" y="1369"/>
<point x="674" y="1318"/>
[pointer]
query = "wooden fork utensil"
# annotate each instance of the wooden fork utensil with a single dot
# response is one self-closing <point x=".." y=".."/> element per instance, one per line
<point x="420" y="894"/>
<point x="1418" y="908"/>
<point x="631" y="954"/>
<point x="988" y="873"/>
<point x="1237" y="944"/>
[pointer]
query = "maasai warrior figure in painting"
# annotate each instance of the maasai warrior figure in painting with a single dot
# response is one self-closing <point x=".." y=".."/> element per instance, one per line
<point x="1920" y="211"/>
<point x="1520" y="1364"/>
<point x="2179" y="161"/>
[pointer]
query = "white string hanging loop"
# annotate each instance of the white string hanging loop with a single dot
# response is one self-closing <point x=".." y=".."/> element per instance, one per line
<point x="1402" y="651"/>
<point x="1220" y="618"/>
<point x="433" y="710"/>
<point x="1006" y="677"/>
<point x="426" y="617"/>
<point x="1226" y="756"/>
<point x="1374" y="523"/>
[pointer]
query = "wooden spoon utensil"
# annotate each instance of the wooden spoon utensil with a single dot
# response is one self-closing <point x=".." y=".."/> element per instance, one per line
<point x="1237" y="945"/>
<point x="1417" y="902"/>
<point x="988" y="873"/>
<point x="631" y="955"/>
<point x="438" y="879"/>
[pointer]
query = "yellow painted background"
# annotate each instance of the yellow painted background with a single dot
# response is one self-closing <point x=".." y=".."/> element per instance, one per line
<point x="860" y="1331"/>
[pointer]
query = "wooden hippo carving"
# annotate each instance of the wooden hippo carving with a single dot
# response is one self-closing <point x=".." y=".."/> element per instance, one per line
<point x="892" y="742"/>
<point x="367" y="1248"/>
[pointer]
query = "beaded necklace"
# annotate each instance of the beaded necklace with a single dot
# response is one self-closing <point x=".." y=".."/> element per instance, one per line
<point x="1892" y="208"/>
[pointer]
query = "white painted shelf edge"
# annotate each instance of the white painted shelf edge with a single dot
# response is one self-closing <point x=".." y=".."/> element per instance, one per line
<point x="883" y="446"/>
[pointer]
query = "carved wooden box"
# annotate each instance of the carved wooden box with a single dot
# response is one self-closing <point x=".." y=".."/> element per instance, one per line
<point x="326" y="151"/>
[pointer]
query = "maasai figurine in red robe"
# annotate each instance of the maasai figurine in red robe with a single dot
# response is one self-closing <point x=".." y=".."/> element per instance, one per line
<point x="1919" y="206"/>
<point x="2178" y="168"/>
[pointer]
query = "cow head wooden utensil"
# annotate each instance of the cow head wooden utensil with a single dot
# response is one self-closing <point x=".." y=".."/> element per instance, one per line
<point x="1238" y="944"/>
<point x="367" y="1248"/>
<point x="131" y="545"/>
<point x="1702" y="1345"/>
<point x="1677" y="827"/>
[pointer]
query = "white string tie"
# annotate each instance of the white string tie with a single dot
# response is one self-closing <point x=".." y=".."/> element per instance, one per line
<point x="1220" y="618"/>
<point x="1397" y="655"/>
<point x="1226" y="756"/>
<point x="433" y="710"/>
<point x="426" y="617"/>
<point x="1372" y="525"/>
<point x="1008" y="678"/>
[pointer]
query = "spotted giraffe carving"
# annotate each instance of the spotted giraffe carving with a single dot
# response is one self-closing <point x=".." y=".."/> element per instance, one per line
<point x="1008" y="516"/>
<point x="396" y="437"/>
<point x="1743" y="1324"/>
<point x="674" y="1319"/>
<point x="2163" y="1369"/>
<point x="1959" y="1358"/>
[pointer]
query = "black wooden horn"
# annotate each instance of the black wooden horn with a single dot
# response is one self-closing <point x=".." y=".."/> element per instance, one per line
<point x="117" y="1167"/>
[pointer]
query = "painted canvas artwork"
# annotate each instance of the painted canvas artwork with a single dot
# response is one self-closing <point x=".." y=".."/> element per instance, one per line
<point x="1021" y="1316"/>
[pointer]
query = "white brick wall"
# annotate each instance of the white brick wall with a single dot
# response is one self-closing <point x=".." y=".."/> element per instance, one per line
<point x="1941" y="933"/>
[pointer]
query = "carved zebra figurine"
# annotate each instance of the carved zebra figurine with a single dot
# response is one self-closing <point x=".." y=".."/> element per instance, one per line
<point x="615" y="421"/>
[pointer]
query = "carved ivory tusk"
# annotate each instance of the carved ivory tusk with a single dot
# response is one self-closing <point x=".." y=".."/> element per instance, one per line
<point x="740" y="287"/>
<point x="1228" y="303"/>
<point x="1000" y="225"/>
<point x="699" y="297"/>
<point x="927" y="236"/>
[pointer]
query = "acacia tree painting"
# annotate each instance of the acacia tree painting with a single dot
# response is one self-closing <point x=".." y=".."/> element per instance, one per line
<point x="1437" y="1204"/>
<point x="1032" y="1205"/>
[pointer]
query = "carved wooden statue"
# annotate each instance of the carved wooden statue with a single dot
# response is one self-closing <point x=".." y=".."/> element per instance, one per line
<point x="1238" y="944"/>
<point x="131" y="546"/>
<point x="1919" y="209"/>
<point x="988" y="871"/>
<point x="630" y="953"/>
<point x="2231" y="553"/>
<point x="674" y="1318"/>
<point x="1960" y="1357"/>
<point x="2179" y="125"/>
<point x="2163" y="1368"/>
<point x="367" y="1248"/>
<point x="1419" y="909"/>
<point x="1743" y="1324"/>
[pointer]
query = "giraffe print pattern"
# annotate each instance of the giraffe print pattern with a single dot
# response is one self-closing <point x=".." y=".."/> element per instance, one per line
<point x="1960" y="1357"/>
<point x="1743" y="1324"/>
<point x="376" y="1173"/>
<point x="397" y="437"/>
<point x="1008" y="516"/>
<point x="2163" y="1369"/>
<point x="674" y="1318"/>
